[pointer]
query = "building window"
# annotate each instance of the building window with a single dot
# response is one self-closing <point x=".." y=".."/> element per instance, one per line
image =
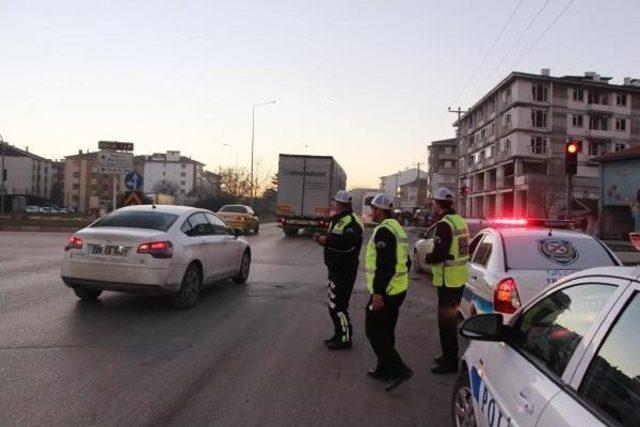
<point x="481" y="114"/>
<point x="183" y="191"/>
<point x="490" y="152"/>
<point x="506" y="122"/>
<point x="506" y="96"/>
<point x="538" y="145"/>
<point x="183" y="166"/>
<point x="593" y="148"/>
<point x="538" y="118"/>
<point x="183" y="174"/>
<point x="506" y="145"/>
<point x="621" y="124"/>
<point x="621" y="99"/>
<point x="448" y="150"/>
<point x="598" y="122"/>
<point x="539" y="92"/>
<point x="76" y="174"/>
<point x="596" y="97"/>
<point x="577" y="121"/>
<point x="75" y="186"/>
<point x="578" y="95"/>
<point x="469" y="161"/>
<point x="183" y="182"/>
<point x="448" y="164"/>
<point x="619" y="147"/>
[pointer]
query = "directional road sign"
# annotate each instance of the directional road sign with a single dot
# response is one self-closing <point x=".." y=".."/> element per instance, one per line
<point x="112" y="163"/>
<point x="133" y="181"/>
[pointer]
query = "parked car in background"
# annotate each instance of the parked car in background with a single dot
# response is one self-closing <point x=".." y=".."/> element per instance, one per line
<point x="154" y="249"/>
<point x="240" y="217"/>
<point x="422" y="218"/>
<point x="567" y="358"/>
<point x="32" y="209"/>
<point x="44" y="210"/>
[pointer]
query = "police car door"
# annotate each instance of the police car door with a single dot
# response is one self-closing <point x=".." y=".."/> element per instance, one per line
<point x="605" y="386"/>
<point x="514" y="381"/>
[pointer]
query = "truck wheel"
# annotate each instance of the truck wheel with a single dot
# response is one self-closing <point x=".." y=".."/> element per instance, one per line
<point x="87" y="294"/>
<point x="290" y="231"/>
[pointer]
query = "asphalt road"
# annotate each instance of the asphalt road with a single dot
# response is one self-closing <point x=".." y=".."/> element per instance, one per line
<point x="245" y="355"/>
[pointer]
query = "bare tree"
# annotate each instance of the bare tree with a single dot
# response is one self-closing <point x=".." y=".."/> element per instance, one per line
<point x="545" y="195"/>
<point x="235" y="182"/>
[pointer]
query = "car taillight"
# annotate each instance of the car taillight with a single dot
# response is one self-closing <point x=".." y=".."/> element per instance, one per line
<point x="635" y="239"/>
<point x="156" y="249"/>
<point x="505" y="297"/>
<point x="74" y="242"/>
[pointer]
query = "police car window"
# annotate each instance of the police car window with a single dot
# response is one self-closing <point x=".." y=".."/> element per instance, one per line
<point x="550" y="331"/>
<point x="218" y="225"/>
<point x="612" y="382"/>
<point x="474" y="243"/>
<point x="483" y="251"/>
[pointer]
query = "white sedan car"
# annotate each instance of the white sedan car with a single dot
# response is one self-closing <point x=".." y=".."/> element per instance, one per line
<point x="156" y="249"/>
<point x="567" y="358"/>
<point x="510" y="266"/>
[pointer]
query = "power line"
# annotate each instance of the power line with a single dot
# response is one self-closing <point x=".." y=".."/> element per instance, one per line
<point x="526" y="29"/>
<point x="546" y="30"/>
<point x="493" y="45"/>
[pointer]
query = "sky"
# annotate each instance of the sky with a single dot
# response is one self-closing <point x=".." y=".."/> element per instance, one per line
<point x="368" y="82"/>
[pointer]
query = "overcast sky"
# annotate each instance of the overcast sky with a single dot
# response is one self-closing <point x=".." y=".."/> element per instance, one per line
<point x="368" y="82"/>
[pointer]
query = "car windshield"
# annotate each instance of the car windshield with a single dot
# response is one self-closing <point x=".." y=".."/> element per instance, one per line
<point x="234" y="209"/>
<point x="542" y="252"/>
<point x="138" y="219"/>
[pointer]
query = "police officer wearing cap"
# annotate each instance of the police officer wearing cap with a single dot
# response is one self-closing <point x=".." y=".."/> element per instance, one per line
<point x="342" y="245"/>
<point x="450" y="268"/>
<point x="387" y="264"/>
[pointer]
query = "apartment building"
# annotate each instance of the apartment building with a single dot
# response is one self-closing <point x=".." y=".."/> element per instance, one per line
<point x="511" y="142"/>
<point x="391" y="184"/>
<point x="442" y="162"/>
<point x="85" y="189"/>
<point x="170" y="173"/>
<point x="26" y="173"/>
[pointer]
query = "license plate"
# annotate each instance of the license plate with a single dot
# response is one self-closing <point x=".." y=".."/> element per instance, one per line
<point x="112" y="250"/>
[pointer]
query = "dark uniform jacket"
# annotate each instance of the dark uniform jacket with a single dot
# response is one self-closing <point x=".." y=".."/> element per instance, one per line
<point x="343" y="250"/>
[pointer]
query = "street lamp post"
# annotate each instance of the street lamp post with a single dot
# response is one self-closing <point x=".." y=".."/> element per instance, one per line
<point x="253" y="133"/>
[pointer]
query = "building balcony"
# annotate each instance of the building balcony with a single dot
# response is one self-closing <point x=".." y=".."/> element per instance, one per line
<point x="505" y="182"/>
<point x="604" y="108"/>
<point x="447" y="156"/>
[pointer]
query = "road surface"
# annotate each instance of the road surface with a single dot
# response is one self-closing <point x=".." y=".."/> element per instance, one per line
<point x="246" y="355"/>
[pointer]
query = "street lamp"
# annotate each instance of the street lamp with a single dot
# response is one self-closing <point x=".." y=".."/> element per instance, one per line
<point x="253" y="132"/>
<point x="235" y="147"/>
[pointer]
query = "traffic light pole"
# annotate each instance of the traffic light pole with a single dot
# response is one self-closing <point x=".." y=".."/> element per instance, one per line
<point x="569" y="197"/>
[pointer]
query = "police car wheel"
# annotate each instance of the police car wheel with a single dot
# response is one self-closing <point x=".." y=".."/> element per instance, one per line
<point x="87" y="294"/>
<point x="462" y="402"/>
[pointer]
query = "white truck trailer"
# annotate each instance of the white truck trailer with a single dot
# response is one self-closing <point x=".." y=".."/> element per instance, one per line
<point x="306" y="186"/>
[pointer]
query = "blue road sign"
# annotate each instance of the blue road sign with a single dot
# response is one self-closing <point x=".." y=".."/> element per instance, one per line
<point x="133" y="181"/>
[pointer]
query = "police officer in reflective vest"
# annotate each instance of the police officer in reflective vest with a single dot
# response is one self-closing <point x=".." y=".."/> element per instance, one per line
<point x="342" y="245"/>
<point x="387" y="263"/>
<point x="450" y="269"/>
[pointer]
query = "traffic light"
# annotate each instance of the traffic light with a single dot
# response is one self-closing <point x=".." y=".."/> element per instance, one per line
<point x="571" y="150"/>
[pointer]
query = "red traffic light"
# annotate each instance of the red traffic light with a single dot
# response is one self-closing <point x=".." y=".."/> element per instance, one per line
<point x="572" y="148"/>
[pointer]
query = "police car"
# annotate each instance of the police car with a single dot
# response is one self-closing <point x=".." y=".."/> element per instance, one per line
<point x="512" y="262"/>
<point x="569" y="357"/>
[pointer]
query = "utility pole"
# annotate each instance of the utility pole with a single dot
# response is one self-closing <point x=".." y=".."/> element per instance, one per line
<point x="459" y="111"/>
<point x="253" y="132"/>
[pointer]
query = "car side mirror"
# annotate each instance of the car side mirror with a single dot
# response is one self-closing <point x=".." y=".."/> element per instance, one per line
<point x="237" y="232"/>
<point x="485" y="327"/>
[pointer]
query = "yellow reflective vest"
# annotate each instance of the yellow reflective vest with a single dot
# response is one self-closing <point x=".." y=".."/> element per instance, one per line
<point x="454" y="273"/>
<point x="400" y="280"/>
